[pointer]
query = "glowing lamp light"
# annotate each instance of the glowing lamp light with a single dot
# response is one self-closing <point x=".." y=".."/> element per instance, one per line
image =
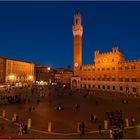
<point x="49" y="68"/>
<point x="30" y="77"/>
<point x="11" y="77"/>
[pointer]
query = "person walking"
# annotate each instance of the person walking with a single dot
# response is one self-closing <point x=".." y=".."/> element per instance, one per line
<point x="100" y="127"/>
<point x="20" y="130"/>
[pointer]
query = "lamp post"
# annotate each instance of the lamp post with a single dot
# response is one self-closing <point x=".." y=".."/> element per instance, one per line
<point x="49" y="79"/>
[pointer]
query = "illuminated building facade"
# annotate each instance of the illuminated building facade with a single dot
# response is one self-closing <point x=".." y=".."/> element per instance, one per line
<point x="110" y="71"/>
<point x="43" y="73"/>
<point x="14" y="71"/>
<point x="63" y="77"/>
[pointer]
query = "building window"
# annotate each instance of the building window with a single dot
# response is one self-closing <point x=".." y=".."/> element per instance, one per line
<point x="93" y="86"/>
<point x="113" y="88"/>
<point x="103" y="69"/>
<point x="89" y="86"/>
<point x="133" y="79"/>
<point x="120" y="68"/>
<point x="113" y="79"/>
<point x="103" y="79"/>
<point x="98" y="79"/>
<point x="103" y="86"/>
<point x="121" y="88"/>
<point x="88" y="69"/>
<point x="81" y="85"/>
<point x="126" y="68"/>
<point x="108" y="79"/>
<point x="134" y="90"/>
<point x="85" y="86"/>
<point x="84" y="78"/>
<point x="112" y="60"/>
<point x="126" y="79"/>
<point x="98" y="86"/>
<point x="98" y="61"/>
<point x="107" y="68"/>
<point x="89" y="78"/>
<point x="93" y="79"/>
<point x="133" y="67"/>
<point x="108" y="87"/>
<point x="113" y="68"/>
<point x="121" y="79"/>
<point x="98" y="69"/>
<point x="93" y="69"/>
<point x="85" y="70"/>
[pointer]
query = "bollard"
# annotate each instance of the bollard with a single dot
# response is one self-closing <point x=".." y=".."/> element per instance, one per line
<point x="138" y="130"/>
<point x="78" y="126"/>
<point x="3" y="113"/>
<point x="29" y="123"/>
<point x="105" y="124"/>
<point x="126" y="122"/>
<point x="49" y="127"/>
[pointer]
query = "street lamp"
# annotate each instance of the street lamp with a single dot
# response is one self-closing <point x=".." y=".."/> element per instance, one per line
<point x="49" y="79"/>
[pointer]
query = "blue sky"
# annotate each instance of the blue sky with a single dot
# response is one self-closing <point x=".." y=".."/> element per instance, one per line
<point x="41" y="32"/>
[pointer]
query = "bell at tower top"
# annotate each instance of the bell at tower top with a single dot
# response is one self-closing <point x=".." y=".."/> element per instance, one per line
<point x="77" y="27"/>
<point x="77" y="18"/>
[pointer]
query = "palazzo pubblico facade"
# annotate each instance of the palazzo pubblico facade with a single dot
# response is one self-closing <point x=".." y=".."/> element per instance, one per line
<point x="109" y="72"/>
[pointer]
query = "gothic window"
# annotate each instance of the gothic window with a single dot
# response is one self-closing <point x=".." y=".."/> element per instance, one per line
<point x="133" y="67"/>
<point x="98" y="86"/>
<point x="121" y="88"/>
<point x="113" y="68"/>
<point x="93" y="86"/>
<point x="108" y="87"/>
<point x="126" y="68"/>
<point x="120" y="68"/>
<point x="133" y="79"/>
<point x="85" y="86"/>
<point x="103" y="86"/>
<point x="108" y="69"/>
<point x="134" y="89"/>
<point x="89" y="86"/>
<point x="113" y="79"/>
<point x="126" y="79"/>
<point x="120" y="79"/>
<point x="113" y="87"/>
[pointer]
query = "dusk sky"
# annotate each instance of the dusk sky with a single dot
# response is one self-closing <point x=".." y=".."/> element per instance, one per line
<point x="41" y="32"/>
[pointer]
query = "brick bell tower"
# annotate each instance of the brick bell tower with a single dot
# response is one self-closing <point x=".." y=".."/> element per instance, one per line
<point x="77" y="33"/>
